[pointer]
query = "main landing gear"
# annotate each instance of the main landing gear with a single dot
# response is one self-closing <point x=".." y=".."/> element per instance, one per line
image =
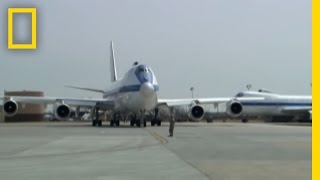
<point x="97" y="121"/>
<point x="156" y="121"/>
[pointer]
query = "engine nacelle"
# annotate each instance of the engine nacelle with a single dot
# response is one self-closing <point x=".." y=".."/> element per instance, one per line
<point x="10" y="108"/>
<point x="62" y="111"/>
<point x="234" y="108"/>
<point x="196" y="113"/>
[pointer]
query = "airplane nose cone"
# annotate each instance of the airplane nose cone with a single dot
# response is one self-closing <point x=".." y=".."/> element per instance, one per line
<point x="147" y="89"/>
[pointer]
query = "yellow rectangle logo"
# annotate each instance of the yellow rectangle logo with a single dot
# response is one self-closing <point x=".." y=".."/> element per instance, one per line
<point x="33" y="12"/>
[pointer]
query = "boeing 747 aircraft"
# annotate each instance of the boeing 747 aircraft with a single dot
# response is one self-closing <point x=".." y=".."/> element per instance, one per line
<point x="132" y="95"/>
<point x="275" y="105"/>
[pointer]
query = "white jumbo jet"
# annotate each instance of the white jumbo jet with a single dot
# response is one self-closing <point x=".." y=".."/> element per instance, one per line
<point x="275" y="105"/>
<point x="132" y="95"/>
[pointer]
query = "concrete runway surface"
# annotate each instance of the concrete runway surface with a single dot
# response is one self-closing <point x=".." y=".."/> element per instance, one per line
<point x="37" y="151"/>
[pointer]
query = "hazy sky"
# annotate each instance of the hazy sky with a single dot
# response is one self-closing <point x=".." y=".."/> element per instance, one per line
<point x="217" y="46"/>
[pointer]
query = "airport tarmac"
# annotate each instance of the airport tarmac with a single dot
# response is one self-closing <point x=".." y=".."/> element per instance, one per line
<point x="32" y="151"/>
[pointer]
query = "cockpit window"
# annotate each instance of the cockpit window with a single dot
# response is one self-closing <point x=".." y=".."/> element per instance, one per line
<point x="240" y="94"/>
<point x="143" y="70"/>
<point x="144" y="74"/>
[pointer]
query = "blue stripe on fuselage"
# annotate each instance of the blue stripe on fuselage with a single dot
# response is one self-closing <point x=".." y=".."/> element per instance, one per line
<point x="275" y="104"/>
<point x="129" y="88"/>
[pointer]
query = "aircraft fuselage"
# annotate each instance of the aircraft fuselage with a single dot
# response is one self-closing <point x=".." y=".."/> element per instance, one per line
<point x="136" y="91"/>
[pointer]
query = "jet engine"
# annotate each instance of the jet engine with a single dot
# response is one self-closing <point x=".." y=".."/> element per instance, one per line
<point x="10" y="108"/>
<point x="62" y="111"/>
<point x="196" y="112"/>
<point x="234" y="108"/>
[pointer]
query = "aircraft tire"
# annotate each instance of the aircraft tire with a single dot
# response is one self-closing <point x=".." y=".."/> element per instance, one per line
<point x="138" y="123"/>
<point x="244" y="120"/>
<point x="131" y="123"/>
<point x="100" y="123"/>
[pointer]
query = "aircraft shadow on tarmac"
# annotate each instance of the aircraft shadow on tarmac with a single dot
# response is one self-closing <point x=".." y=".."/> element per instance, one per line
<point x="105" y="125"/>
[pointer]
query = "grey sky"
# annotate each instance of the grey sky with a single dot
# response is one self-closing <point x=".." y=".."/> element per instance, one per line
<point x="216" y="46"/>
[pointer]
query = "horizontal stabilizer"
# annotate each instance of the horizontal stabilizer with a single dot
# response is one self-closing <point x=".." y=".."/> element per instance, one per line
<point x="86" y="89"/>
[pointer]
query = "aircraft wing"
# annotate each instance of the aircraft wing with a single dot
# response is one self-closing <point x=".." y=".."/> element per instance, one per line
<point x="181" y="102"/>
<point x="85" y="89"/>
<point x="82" y="102"/>
<point x="297" y="110"/>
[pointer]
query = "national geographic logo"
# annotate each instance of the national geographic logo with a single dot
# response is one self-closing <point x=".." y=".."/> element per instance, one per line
<point x="12" y="42"/>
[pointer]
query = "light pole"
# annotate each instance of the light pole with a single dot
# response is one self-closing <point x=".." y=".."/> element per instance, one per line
<point x="192" y="89"/>
<point x="249" y="87"/>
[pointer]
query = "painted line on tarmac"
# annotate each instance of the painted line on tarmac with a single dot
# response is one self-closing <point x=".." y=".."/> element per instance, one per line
<point x="157" y="136"/>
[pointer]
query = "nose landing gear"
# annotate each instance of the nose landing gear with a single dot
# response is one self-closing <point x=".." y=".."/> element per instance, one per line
<point x="156" y="121"/>
<point x="140" y="121"/>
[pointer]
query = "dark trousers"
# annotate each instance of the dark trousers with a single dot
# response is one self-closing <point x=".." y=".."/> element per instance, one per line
<point x="171" y="126"/>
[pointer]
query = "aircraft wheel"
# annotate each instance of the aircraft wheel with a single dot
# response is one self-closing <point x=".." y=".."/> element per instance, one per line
<point x="118" y="123"/>
<point x="100" y="123"/>
<point x="131" y="123"/>
<point x="138" y="123"/>
<point x="152" y="123"/>
<point x="244" y="120"/>
<point x="145" y="123"/>
<point x="94" y="122"/>
<point x="159" y="123"/>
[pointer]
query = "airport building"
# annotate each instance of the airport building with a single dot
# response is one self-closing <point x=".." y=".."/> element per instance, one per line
<point x="27" y="112"/>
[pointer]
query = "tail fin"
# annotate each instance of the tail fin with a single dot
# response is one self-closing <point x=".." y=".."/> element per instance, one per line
<point x="113" y="69"/>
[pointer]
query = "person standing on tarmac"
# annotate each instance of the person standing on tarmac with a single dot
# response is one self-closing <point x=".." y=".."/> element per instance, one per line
<point x="172" y="122"/>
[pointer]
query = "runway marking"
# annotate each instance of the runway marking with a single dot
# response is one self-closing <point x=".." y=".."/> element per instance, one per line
<point x="157" y="136"/>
